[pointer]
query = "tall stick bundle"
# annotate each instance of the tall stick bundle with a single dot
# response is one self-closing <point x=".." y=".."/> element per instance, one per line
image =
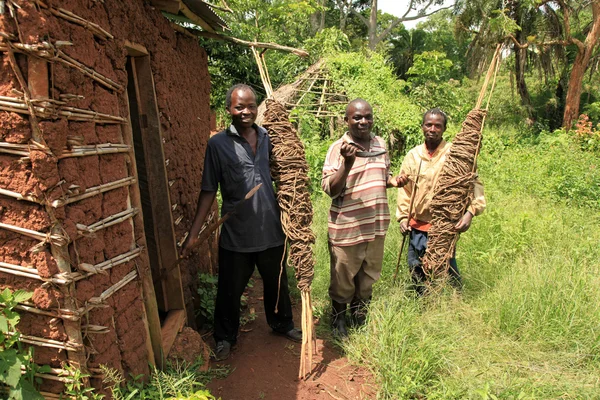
<point x="452" y="194"/>
<point x="290" y="172"/>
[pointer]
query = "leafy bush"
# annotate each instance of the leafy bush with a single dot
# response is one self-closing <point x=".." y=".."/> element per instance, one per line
<point x="207" y="291"/>
<point x="12" y="354"/>
<point x="588" y="138"/>
<point x="369" y="76"/>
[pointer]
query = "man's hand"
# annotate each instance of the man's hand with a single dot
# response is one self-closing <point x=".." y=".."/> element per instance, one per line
<point x="464" y="223"/>
<point x="404" y="228"/>
<point x="348" y="151"/>
<point x="398" y="181"/>
<point x="189" y="244"/>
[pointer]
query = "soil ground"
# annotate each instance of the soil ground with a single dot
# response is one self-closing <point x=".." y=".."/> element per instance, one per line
<point x="265" y="366"/>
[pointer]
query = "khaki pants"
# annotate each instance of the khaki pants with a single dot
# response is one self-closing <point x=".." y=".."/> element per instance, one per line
<point x="354" y="270"/>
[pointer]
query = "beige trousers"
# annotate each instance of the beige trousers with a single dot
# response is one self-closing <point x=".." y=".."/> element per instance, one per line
<point x="354" y="270"/>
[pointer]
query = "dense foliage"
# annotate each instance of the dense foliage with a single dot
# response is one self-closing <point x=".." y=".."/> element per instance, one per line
<point x="14" y="357"/>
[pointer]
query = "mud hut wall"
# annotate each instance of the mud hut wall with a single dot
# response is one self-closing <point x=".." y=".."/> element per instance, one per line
<point x="182" y="89"/>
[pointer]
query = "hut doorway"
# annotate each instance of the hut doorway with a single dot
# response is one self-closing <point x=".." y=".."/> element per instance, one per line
<point x="164" y="280"/>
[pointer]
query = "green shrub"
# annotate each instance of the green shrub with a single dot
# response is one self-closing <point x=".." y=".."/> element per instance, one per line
<point x="207" y="293"/>
<point x="13" y="356"/>
<point x="370" y="77"/>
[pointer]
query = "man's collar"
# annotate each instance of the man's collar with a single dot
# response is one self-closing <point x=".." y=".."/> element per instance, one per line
<point x="349" y="139"/>
<point x="233" y="131"/>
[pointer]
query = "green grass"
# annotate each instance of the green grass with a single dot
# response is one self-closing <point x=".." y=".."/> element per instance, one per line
<point x="527" y="324"/>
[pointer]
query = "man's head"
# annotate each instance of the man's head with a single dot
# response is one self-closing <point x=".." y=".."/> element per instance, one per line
<point x="434" y="126"/>
<point x="359" y="117"/>
<point x="240" y="103"/>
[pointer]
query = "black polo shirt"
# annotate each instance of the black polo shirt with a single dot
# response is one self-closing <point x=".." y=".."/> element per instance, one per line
<point x="230" y="165"/>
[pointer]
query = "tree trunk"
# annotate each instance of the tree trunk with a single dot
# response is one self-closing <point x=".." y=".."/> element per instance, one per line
<point x="520" y="60"/>
<point x="373" y="26"/>
<point x="582" y="60"/>
<point x="322" y="21"/>
<point x="521" y="57"/>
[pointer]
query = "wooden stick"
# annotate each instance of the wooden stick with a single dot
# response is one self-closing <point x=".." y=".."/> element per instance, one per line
<point x="93" y="191"/>
<point x="65" y="59"/>
<point x="106" y="265"/>
<point x="108" y="221"/>
<point x="49" y="111"/>
<point x="113" y="289"/>
<point x="31" y="273"/>
<point x="19" y="196"/>
<point x="34" y="310"/>
<point x="410" y="209"/>
<point x="274" y="46"/>
<point x="322" y="97"/>
<point x="42" y="342"/>
<point x="53" y="54"/>
<point x="308" y="91"/>
<point x="71" y="17"/>
<point x="44" y="237"/>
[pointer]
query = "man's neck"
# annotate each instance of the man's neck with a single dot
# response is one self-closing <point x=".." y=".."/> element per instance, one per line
<point x="363" y="142"/>
<point x="245" y="131"/>
<point x="432" y="146"/>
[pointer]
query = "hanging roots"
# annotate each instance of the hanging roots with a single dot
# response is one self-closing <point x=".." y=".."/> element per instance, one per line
<point x="452" y="194"/>
<point x="290" y="172"/>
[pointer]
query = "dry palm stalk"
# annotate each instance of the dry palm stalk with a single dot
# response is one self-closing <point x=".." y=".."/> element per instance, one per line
<point x="290" y="171"/>
<point x="452" y="194"/>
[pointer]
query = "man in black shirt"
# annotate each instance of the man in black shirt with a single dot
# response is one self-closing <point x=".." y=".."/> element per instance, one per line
<point x="237" y="159"/>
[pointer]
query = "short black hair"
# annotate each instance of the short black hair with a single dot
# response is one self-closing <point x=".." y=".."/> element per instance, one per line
<point x="239" y="86"/>
<point x="356" y="101"/>
<point x="435" y="111"/>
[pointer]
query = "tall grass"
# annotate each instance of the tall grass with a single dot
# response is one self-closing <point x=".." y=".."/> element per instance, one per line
<point x="527" y="323"/>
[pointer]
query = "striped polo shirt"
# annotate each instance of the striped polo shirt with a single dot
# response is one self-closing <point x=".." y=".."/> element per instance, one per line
<point x="360" y="212"/>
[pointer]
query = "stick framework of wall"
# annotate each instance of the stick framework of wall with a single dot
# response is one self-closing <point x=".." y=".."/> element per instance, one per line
<point x="71" y="224"/>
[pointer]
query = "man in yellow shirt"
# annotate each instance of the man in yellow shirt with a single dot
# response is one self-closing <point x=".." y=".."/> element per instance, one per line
<point x="426" y="162"/>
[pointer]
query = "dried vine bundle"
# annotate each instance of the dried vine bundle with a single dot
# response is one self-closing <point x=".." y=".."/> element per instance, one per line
<point x="452" y="195"/>
<point x="290" y="171"/>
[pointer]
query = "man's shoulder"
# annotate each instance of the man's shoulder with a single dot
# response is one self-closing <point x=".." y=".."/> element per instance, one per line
<point x="261" y="129"/>
<point x="338" y="142"/>
<point x="218" y="138"/>
<point x="380" y="141"/>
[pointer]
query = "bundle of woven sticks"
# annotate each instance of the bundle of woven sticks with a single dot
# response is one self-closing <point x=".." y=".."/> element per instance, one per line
<point x="452" y="194"/>
<point x="290" y="172"/>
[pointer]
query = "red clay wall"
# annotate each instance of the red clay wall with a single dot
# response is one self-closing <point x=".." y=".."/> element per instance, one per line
<point x="182" y="86"/>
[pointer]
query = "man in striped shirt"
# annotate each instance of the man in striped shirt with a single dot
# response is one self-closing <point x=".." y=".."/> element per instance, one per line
<point x="355" y="176"/>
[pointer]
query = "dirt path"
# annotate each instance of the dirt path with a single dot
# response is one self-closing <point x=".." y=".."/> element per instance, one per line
<point x="265" y="366"/>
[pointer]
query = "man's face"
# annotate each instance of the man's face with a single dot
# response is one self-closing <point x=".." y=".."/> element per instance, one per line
<point x="360" y="120"/>
<point x="243" y="108"/>
<point x="433" y="128"/>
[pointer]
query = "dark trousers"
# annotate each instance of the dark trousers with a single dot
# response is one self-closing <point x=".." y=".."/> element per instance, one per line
<point x="235" y="270"/>
<point x="417" y="245"/>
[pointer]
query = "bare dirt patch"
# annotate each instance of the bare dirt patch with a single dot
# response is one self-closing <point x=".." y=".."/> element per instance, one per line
<point x="265" y="365"/>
